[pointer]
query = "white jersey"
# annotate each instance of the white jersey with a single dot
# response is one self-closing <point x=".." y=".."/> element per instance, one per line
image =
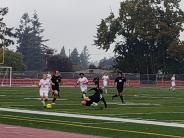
<point x="173" y="81"/>
<point x="105" y="79"/>
<point x="44" y="85"/>
<point x="83" y="83"/>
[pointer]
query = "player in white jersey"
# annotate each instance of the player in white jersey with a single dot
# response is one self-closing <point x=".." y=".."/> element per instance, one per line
<point x="173" y="83"/>
<point x="44" y="86"/>
<point x="83" y="82"/>
<point x="105" y="79"/>
<point x="49" y="76"/>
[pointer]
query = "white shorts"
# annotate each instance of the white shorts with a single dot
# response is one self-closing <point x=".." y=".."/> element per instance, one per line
<point x="83" y="89"/>
<point x="105" y="84"/>
<point x="44" y="93"/>
<point x="173" y="84"/>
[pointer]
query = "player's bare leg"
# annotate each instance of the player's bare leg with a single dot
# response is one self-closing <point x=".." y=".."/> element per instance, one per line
<point x="43" y="101"/>
<point x="46" y="99"/>
<point x="173" y="88"/>
<point x="116" y="95"/>
<point x="105" y="89"/>
<point x="103" y="100"/>
<point x="84" y="94"/>
<point x="121" y="97"/>
<point x="55" y="95"/>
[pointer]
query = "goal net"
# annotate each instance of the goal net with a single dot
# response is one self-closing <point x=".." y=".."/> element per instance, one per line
<point x="5" y="76"/>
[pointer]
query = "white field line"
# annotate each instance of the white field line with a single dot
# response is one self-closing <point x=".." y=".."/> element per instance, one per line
<point x="95" y="117"/>
<point x="128" y="103"/>
<point x="29" y="98"/>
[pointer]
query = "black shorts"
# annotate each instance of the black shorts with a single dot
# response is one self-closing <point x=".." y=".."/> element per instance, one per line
<point x="120" y="90"/>
<point x="88" y="103"/>
<point x="94" y="98"/>
<point x="55" y="88"/>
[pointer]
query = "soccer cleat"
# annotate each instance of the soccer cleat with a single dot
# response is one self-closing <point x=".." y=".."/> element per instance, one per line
<point x="53" y="103"/>
<point x="94" y="104"/>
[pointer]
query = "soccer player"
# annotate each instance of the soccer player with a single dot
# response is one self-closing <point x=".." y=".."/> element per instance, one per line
<point x="55" y="81"/>
<point x="105" y="79"/>
<point x="44" y="85"/>
<point x="173" y="83"/>
<point x="95" y="98"/>
<point x="83" y="82"/>
<point x="119" y="81"/>
<point x="96" y="81"/>
<point x="49" y="76"/>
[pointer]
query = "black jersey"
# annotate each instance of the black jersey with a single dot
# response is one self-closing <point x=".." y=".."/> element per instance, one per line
<point x="120" y="82"/>
<point x="56" y="80"/>
<point x="96" y="80"/>
<point x="97" y="96"/>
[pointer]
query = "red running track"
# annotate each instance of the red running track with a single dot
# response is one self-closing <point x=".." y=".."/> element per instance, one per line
<point x="9" y="131"/>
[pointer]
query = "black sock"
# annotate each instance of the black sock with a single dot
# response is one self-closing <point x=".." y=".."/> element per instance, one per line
<point x="121" y="97"/>
<point x="115" y="96"/>
<point x="103" y="100"/>
<point x="46" y="100"/>
<point x="54" y="99"/>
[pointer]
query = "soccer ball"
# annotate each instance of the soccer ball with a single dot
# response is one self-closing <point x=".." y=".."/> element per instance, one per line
<point x="49" y="106"/>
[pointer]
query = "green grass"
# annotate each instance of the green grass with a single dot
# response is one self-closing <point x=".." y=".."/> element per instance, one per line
<point x="142" y="103"/>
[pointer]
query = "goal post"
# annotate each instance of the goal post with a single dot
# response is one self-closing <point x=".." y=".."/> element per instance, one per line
<point x="5" y="76"/>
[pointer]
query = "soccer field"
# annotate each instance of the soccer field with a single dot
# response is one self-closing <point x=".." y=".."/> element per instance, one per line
<point x="143" y="104"/>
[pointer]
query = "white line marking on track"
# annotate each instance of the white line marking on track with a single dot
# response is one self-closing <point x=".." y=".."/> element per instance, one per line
<point x="11" y="127"/>
<point x="135" y="121"/>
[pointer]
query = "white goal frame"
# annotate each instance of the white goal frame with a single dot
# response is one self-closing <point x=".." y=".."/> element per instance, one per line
<point x="10" y="75"/>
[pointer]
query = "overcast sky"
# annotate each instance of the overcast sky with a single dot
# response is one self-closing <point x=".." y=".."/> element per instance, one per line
<point x="71" y="23"/>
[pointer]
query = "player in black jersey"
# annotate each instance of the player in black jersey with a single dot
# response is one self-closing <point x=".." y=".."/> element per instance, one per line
<point x="96" y="97"/>
<point x="120" y="81"/>
<point x="55" y="81"/>
<point x="96" y="81"/>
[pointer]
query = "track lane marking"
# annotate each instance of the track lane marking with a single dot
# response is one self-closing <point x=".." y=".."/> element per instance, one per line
<point x="93" y="127"/>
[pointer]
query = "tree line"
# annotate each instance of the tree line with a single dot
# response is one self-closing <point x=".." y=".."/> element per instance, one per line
<point x="32" y="53"/>
<point x="145" y="36"/>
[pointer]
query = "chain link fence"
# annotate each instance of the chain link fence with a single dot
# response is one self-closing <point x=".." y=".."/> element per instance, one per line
<point x="142" y="79"/>
<point x="70" y="75"/>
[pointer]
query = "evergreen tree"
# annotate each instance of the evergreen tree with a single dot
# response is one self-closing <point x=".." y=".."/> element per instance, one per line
<point x="5" y="32"/>
<point x="57" y="62"/>
<point x="84" y="58"/>
<point x="31" y="43"/>
<point x="74" y="57"/>
<point x="63" y="53"/>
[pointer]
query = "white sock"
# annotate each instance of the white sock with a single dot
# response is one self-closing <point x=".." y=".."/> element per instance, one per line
<point x="43" y="102"/>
